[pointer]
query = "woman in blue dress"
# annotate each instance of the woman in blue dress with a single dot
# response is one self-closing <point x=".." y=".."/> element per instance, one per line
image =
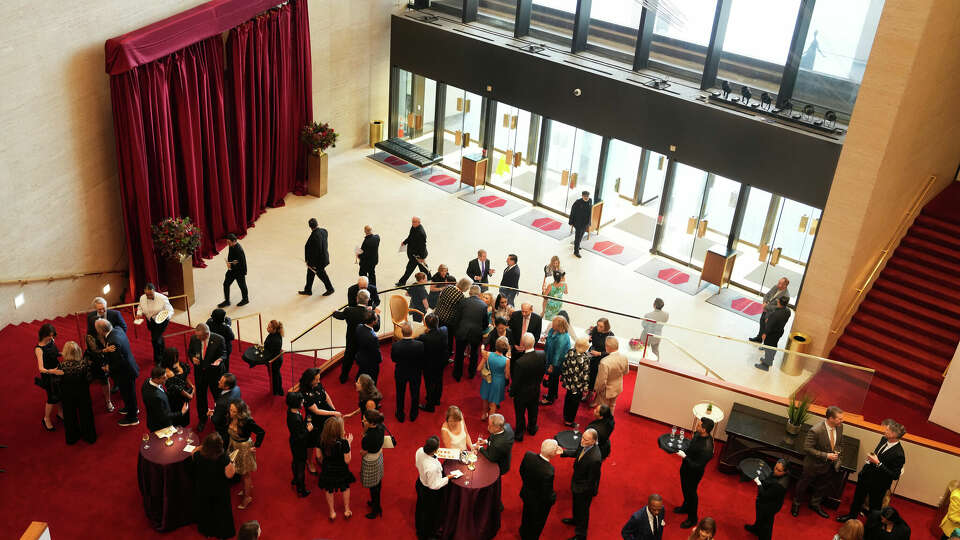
<point x="494" y="385"/>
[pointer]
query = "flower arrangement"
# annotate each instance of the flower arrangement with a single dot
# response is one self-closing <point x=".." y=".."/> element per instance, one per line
<point x="176" y="238"/>
<point x="318" y="137"/>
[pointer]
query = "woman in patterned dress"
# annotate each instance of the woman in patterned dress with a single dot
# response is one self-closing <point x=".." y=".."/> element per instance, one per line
<point x="574" y="373"/>
<point x="240" y="429"/>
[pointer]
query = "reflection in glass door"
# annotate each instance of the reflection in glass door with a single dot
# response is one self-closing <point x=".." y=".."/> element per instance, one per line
<point x="571" y="167"/>
<point x="515" y="145"/>
<point x="461" y="126"/>
<point x="654" y="174"/>
<point x="620" y="179"/>
<point x="415" y="109"/>
<point x="700" y="210"/>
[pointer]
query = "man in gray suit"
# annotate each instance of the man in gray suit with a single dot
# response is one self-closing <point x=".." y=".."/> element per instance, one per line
<point x="770" y="304"/>
<point x="821" y="449"/>
<point x="650" y="327"/>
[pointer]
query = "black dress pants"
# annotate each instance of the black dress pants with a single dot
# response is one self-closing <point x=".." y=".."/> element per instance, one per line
<point x="428" y="512"/>
<point x="77" y="412"/>
<point x="412" y="263"/>
<point x="207" y="380"/>
<point x="370" y="272"/>
<point x="763" y="322"/>
<point x="764" y="525"/>
<point x="533" y="518"/>
<point x="577" y="237"/>
<point x="297" y="466"/>
<point x="689" y="480"/>
<point x="228" y="280"/>
<point x="433" y="381"/>
<point x="581" y="513"/>
<point x="276" y="379"/>
<point x="553" y="384"/>
<point x="462" y="344"/>
<point x="571" y="403"/>
<point x="372" y="370"/>
<point x="814" y="481"/>
<point x="322" y="274"/>
<point x="346" y="363"/>
<point x="128" y="392"/>
<point x="864" y="489"/>
<point x="413" y="381"/>
<point x="526" y="408"/>
<point x="156" y="338"/>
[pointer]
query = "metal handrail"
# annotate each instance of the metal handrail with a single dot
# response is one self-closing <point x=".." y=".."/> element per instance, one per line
<point x="259" y="317"/>
<point x="186" y="304"/>
<point x="57" y="277"/>
<point x="908" y="217"/>
<point x="692" y="357"/>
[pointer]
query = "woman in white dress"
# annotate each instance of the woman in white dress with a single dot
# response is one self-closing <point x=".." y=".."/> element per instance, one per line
<point x="454" y="433"/>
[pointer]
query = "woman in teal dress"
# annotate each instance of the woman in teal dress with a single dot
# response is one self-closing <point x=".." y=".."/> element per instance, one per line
<point x="557" y="345"/>
<point x="554" y="290"/>
<point x="493" y="386"/>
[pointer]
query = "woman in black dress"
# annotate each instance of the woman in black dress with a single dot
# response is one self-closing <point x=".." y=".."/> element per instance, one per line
<point x="371" y="456"/>
<point x="318" y="406"/>
<point x="48" y="364"/>
<point x="598" y="349"/>
<point x="178" y="386"/>
<point x="335" y="472"/>
<point x="368" y="397"/>
<point x="603" y="423"/>
<point x="273" y="352"/>
<point x="211" y="497"/>
<point x="75" y="393"/>
<point x="241" y="429"/>
<point x="300" y="430"/>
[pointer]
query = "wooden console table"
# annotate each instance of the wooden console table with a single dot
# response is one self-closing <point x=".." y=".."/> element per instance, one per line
<point x="473" y="171"/>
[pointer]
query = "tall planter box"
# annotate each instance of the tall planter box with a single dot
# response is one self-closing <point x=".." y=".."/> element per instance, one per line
<point x="180" y="280"/>
<point x="317" y="175"/>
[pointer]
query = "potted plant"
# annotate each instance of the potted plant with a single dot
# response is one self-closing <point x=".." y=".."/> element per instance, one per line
<point x="317" y="138"/>
<point x="797" y="413"/>
<point x="176" y="240"/>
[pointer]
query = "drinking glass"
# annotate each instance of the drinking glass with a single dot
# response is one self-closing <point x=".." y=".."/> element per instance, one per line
<point x="681" y="434"/>
<point x="146" y="441"/>
<point x="673" y="436"/>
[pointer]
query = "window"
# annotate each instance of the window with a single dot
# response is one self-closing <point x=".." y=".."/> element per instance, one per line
<point x="453" y="7"/>
<point x="681" y="33"/>
<point x="553" y="20"/>
<point x="757" y="42"/>
<point x="614" y="25"/>
<point x="498" y="13"/>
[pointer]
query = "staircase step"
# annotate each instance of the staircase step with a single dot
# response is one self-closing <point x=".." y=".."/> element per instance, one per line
<point x="937" y="289"/>
<point x="918" y="269"/>
<point x="901" y="395"/>
<point x="931" y="302"/>
<point x="933" y="248"/>
<point x="935" y="234"/>
<point x="921" y="257"/>
<point x="938" y="224"/>
<point x="905" y="382"/>
<point x="911" y="316"/>
<point x="939" y="339"/>
<point x="892" y="365"/>
<point x="917" y="348"/>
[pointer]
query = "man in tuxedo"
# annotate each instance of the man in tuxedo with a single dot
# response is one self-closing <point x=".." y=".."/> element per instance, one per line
<point x="368" y="346"/>
<point x="155" y="400"/>
<point x="821" y="449"/>
<point x="510" y="278"/>
<point x="220" y="415"/>
<point x="497" y="447"/>
<point x="471" y="321"/>
<point x="354" y="317"/>
<point x="407" y="356"/>
<point x="771" y="491"/>
<point x="883" y="466"/>
<point x="522" y="322"/>
<point x="363" y="283"/>
<point x="236" y="271"/>
<point x="369" y="254"/>
<point x="434" y="360"/>
<point x="416" y="243"/>
<point x="207" y="351"/>
<point x="122" y="367"/>
<point x="479" y="269"/>
<point x="646" y="523"/>
<point x="580" y="212"/>
<point x="610" y="373"/>
<point x="526" y="375"/>
<point x="773" y="327"/>
<point x="101" y="311"/>
<point x="537" y="492"/>
<point x="585" y="482"/>
<point x="316" y="253"/>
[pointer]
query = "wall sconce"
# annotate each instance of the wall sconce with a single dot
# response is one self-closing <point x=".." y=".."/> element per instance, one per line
<point x="18" y="301"/>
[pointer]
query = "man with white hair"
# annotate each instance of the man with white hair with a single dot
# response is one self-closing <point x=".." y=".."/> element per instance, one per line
<point x="363" y="283"/>
<point x="123" y="369"/>
<point x="609" y="383"/>
<point x="498" y="446"/>
<point x="96" y="346"/>
<point x="537" y="492"/>
<point x="207" y="352"/>
<point x="585" y="481"/>
<point x="101" y="311"/>
<point x="479" y="269"/>
<point x="526" y="374"/>
<point x="354" y="316"/>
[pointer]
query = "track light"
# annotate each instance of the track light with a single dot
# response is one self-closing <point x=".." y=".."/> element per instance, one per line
<point x="726" y="89"/>
<point x="18" y="301"/>
<point x="745" y="95"/>
<point x="765" y="100"/>
<point x="830" y="119"/>
<point x="808" y="112"/>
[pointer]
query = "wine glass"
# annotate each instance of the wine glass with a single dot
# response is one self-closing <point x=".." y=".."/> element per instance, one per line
<point x="681" y="436"/>
<point x="673" y="436"/>
<point x="146" y="440"/>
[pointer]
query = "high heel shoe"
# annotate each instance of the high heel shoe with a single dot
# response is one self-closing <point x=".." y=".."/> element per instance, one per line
<point x="43" y="422"/>
<point x="333" y="516"/>
<point x="347" y="514"/>
<point x="374" y="514"/>
<point x="246" y="502"/>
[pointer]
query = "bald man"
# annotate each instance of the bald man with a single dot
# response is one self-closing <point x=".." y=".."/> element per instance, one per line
<point x="369" y="254"/>
<point x="537" y="492"/>
<point x="416" y="243"/>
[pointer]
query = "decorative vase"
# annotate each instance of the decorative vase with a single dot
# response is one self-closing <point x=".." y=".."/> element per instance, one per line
<point x="179" y="273"/>
<point x="792" y="429"/>
<point x="317" y="174"/>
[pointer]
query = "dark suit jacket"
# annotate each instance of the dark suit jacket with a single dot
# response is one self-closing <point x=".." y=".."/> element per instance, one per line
<point x="499" y="447"/>
<point x="604" y="429"/>
<point x="816" y="446"/>
<point x="416" y="242"/>
<point x="216" y="350"/>
<point x="537" y="475"/>
<point x="113" y="316"/>
<point x="407" y="354"/>
<point x="368" y="346"/>
<point x="354" y="289"/>
<point x="516" y="324"/>
<point x="471" y="319"/>
<point x="236" y="254"/>
<point x="474" y="270"/>
<point x="526" y="373"/>
<point x="157" y="405"/>
<point x="511" y="277"/>
<point x="586" y="470"/>
<point x="315" y="251"/>
<point x="225" y="331"/>
<point x="770" y="494"/>
<point x="221" y="411"/>
<point x="353" y="316"/>
<point x="884" y="473"/>
<point x="776" y="321"/>
<point x="370" y="248"/>
<point x="434" y="349"/>
<point x="580" y="213"/>
<point x="121" y="361"/>
<point x="297" y="425"/>
<point x="638" y="527"/>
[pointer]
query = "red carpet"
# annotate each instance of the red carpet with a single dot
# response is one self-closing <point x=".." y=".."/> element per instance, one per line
<point x="90" y="491"/>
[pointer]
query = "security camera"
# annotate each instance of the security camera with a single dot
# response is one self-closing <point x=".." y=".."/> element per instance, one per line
<point x="577" y="92"/>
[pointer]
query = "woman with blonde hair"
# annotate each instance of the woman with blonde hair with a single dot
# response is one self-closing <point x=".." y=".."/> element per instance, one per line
<point x="453" y="433"/>
<point x="852" y="529"/>
<point x="75" y="395"/>
<point x="240" y="429"/>
<point x="549" y="269"/>
<point x="574" y="373"/>
<point x="335" y="472"/>
<point x="273" y="352"/>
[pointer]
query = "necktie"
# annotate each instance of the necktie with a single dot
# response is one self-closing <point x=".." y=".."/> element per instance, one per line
<point x="203" y="350"/>
<point x="523" y="330"/>
<point x="833" y="440"/>
<point x="583" y="450"/>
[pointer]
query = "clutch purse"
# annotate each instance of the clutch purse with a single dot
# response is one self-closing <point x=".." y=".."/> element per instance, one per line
<point x="486" y="373"/>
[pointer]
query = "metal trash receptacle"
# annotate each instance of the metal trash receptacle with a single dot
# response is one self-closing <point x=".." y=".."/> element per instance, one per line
<point x="792" y="362"/>
<point x="376" y="132"/>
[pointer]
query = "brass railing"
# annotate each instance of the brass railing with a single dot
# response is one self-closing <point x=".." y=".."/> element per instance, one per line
<point x="57" y="277"/>
<point x="905" y="222"/>
<point x="133" y="313"/>
<point x="259" y="317"/>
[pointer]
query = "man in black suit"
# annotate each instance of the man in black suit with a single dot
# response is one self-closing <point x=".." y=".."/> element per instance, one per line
<point x="155" y="400"/>
<point x="524" y="321"/>
<point x="407" y="356"/>
<point x="100" y="311"/>
<point x="236" y="270"/>
<point x="368" y="346"/>
<point x="207" y="351"/>
<point x="771" y="491"/>
<point x="471" y="321"/>
<point x="122" y="367"/>
<point x="526" y="375"/>
<point x="695" y="458"/>
<point x="883" y="466"/>
<point x="354" y="317"/>
<point x="580" y="212"/>
<point x="537" y="492"/>
<point x="479" y="269"/>
<point x="510" y="278"/>
<point x="646" y="523"/>
<point x="369" y="254"/>
<point x="219" y="324"/>
<point x="773" y="326"/>
<point x="585" y="482"/>
<point x="316" y="254"/>
<point x="227" y="391"/>
<point x="497" y="447"/>
<point x="416" y="243"/>
<point x="434" y="360"/>
<point x="363" y="282"/>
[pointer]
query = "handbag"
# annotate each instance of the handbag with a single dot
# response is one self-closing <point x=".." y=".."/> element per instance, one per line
<point x="486" y="373"/>
<point x="389" y="441"/>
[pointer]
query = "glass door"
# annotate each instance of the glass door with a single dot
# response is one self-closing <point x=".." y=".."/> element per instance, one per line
<point x="514" y="155"/>
<point x="653" y="176"/>
<point x="699" y="214"/>
<point x="416" y="107"/>
<point x="461" y="126"/>
<point x="572" y="165"/>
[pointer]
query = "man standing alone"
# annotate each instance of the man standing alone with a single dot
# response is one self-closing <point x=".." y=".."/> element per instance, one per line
<point x="537" y="492"/>
<point x="580" y="219"/>
<point x="236" y="271"/>
<point x="416" y="243"/>
<point x="318" y="257"/>
<point x="653" y="324"/>
<point x="369" y="254"/>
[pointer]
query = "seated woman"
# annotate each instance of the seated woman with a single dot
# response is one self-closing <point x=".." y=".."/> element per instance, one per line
<point x="492" y="390"/>
<point x="418" y="296"/>
<point x="453" y="433"/>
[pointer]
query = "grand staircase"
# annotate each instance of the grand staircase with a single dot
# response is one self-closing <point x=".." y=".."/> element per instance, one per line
<point x="908" y="326"/>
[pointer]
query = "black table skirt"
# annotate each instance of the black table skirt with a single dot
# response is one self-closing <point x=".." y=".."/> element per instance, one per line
<point x="472" y="514"/>
<point x="167" y="492"/>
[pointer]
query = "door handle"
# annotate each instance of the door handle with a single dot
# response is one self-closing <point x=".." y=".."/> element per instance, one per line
<point x="813" y="227"/>
<point x="513" y="122"/>
<point x="410" y="120"/>
<point x="460" y="104"/>
<point x="516" y="159"/>
<point x="763" y="251"/>
<point x="467" y="106"/>
<point x="573" y="180"/>
<point x="691" y="224"/>
<point x="506" y="121"/>
<point x="564" y="176"/>
<point x="702" y="228"/>
<point x="466" y="140"/>
<point x="509" y="156"/>
<point x="775" y="257"/>
<point x="457" y="137"/>
<point x="419" y="118"/>
<point x="804" y="219"/>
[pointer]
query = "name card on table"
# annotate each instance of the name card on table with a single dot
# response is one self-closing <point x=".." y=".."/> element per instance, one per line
<point x="448" y="453"/>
